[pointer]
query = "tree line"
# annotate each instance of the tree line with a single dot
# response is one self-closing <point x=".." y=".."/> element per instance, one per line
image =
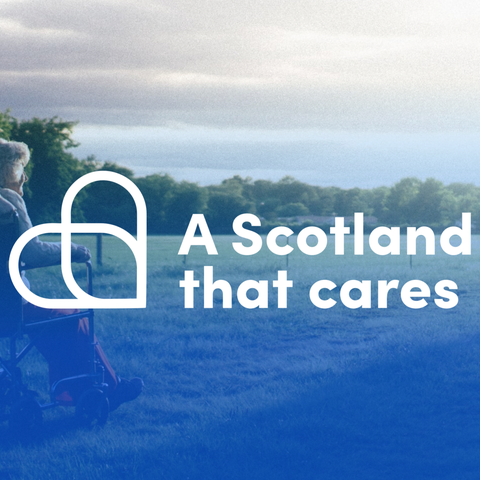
<point x="170" y="204"/>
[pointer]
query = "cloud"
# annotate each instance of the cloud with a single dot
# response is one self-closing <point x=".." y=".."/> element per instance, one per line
<point x="346" y="159"/>
<point x="362" y="65"/>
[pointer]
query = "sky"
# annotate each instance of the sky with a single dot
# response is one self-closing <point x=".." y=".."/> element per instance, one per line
<point x="359" y="93"/>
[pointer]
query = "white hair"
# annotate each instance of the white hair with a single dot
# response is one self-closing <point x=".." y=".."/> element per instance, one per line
<point x="14" y="156"/>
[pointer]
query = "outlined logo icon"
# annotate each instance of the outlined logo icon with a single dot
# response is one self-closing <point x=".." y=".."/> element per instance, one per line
<point x="138" y="247"/>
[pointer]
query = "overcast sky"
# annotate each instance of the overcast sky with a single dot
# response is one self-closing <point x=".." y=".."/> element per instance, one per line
<point x="357" y="93"/>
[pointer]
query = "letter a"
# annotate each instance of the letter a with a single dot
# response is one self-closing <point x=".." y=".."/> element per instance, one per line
<point x="205" y="239"/>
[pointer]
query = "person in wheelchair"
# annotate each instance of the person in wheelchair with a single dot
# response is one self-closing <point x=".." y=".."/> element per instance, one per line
<point x="65" y="345"/>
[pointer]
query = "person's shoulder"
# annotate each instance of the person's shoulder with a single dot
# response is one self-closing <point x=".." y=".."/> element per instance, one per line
<point x="13" y="197"/>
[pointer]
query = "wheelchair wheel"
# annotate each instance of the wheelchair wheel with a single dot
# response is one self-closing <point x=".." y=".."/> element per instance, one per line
<point x="92" y="408"/>
<point x="25" y="418"/>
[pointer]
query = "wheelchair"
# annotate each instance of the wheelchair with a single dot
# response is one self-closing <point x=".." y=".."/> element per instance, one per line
<point x="18" y="404"/>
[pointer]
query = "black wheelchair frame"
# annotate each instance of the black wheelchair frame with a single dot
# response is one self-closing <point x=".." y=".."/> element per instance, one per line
<point x="18" y="404"/>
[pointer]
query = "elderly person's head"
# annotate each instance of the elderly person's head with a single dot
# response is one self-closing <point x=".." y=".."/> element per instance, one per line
<point x="14" y="156"/>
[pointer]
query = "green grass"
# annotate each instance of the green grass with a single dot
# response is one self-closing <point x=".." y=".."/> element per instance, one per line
<point x="277" y="393"/>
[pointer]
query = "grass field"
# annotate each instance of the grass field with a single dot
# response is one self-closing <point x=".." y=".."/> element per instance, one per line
<point x="295" y="393"/>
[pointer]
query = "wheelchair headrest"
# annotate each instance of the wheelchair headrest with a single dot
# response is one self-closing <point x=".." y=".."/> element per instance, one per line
<point x="7" y="212"/>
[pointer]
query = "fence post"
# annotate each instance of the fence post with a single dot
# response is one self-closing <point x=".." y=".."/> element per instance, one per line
<point x="99" y="250"/>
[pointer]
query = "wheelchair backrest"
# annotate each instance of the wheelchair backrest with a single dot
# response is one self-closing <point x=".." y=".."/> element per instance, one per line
<point x="11" y="316"/>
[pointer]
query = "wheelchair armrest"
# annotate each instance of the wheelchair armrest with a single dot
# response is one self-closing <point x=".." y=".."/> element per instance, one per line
<point x="88" y="264"/>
